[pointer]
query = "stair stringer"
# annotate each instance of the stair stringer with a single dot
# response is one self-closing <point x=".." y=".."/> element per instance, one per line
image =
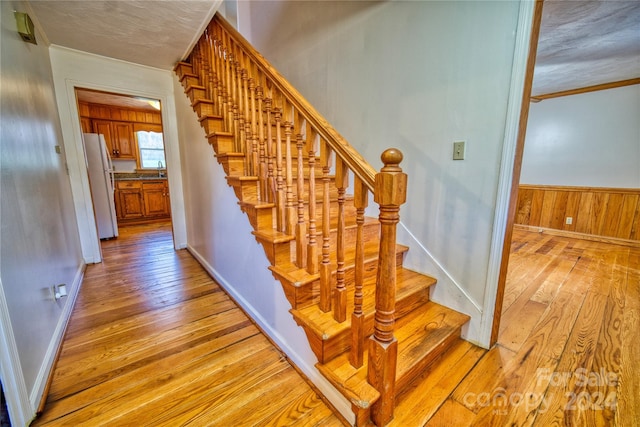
<point x="210" y="228"/>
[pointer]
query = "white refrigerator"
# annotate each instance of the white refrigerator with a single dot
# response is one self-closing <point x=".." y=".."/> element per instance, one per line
<point x="100" y="170"/>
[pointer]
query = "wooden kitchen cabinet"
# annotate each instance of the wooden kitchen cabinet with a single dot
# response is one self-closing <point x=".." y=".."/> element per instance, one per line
<point x="119" y="138"/>
<point x="129" y="200"/>
<point x="85" y="123"/>
<point x="156" y="199"/>
<point x="142" y="200"/>
<point x="124" y="141"/>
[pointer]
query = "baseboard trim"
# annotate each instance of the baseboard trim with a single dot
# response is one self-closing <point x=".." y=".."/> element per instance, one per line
<point x="42" y="383"/>
<point x="335" y="399"/>
<point x="581" y="236"/>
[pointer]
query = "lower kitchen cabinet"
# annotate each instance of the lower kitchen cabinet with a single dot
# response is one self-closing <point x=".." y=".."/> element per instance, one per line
<point x="142" y="200"/>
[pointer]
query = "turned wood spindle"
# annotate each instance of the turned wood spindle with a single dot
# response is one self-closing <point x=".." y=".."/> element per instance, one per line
<point x="280" y="192"/>
<point x="325" y="266"/>
<point x="312" y="249"/>
<point x="301" y="226"/>
<point x="357" y="317"/>
<point x="340" y="294"/>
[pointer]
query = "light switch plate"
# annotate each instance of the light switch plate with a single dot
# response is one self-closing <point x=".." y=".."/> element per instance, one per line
<point x="458" y="150"/>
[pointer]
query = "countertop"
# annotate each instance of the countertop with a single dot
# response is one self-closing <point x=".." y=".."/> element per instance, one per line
<point x="135" y="176"/>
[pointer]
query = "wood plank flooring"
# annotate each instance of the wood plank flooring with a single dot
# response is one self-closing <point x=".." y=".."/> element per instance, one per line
<point x="154" y="341"/>
<point x="568" y="350"/>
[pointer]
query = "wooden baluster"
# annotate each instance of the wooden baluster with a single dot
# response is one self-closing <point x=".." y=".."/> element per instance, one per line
<point x="229" y="104"/>
<point x="301" y="225"/>
<point x="219" y="68"/>
<point x="236" y="78"/>
<point x="262" y="147"/>
<point x="212" y="71"/>
<point x="248" y="147"/>
<point x="289" y="210"/>
<point x="215" y="53"/>
<point x="280" y="192"/>
<point x="390" y="193"/>
<point x="271" y="183"/>
<point x="253" y="131"/>
<point x="206" y="82"/>
<point x="312" y="249"/>
<point x="340" y="295"/>
<point x="325" y="266"/>
<point x="357" y="317"/>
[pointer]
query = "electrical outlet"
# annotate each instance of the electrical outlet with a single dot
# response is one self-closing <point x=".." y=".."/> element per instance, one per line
<point x="569" y="220"/>
<point x="458" y="150"/>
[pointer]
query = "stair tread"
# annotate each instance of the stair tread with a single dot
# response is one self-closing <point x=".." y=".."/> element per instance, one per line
<point x="221" y="133"/>
<point x="351" y="382"/>
<point x="420" y="335"/>
<point x="324" y="325"/>
<point x="273" y="236"/>
<point x="256" y="204"/>
<point x="230" y="154"/>
<point x="247" y="178"/>
<point x="204" y="101"/>
<point x="204" y="117"/>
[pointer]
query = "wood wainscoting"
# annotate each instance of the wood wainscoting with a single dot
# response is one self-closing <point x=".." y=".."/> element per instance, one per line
<point x="589" y="212"/>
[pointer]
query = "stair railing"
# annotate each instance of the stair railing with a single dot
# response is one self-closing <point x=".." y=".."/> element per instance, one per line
<point x="270" y="121"/>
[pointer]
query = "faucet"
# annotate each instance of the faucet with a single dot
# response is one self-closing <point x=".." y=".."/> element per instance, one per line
<point x="160" y="174"/>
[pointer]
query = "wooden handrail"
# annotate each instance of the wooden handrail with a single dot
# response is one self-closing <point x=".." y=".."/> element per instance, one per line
<point x="358" y="165"/>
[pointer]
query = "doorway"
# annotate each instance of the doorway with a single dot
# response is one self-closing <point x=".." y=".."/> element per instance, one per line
<point x="565" y="39"/>
<point x="130" y="132"/>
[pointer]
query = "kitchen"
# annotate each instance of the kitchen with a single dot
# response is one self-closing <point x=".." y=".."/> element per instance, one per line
<point x="125" y="156"/>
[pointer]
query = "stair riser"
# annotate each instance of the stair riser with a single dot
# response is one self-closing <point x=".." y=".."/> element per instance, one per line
<point x="183" y="68"/>
<point x="261" y="218"/>
<point x="211" y="124"/>
<point x="233" y="166"/>
<point x="405" y="380"/>
<point x="189" y="80"/>
<point x="326" y="350"/>
<point x="204" y="108"/>
<point x="222" y="143"/>
<point x="246" y="191"/>
<point x="277" y="253"/>
<point x="195" y="93"/>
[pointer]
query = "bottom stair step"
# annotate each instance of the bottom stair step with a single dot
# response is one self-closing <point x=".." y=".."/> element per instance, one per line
<point x="423" y="336"/>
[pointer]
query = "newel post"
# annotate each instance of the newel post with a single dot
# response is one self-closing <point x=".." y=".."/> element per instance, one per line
<point x="390" y="192"/>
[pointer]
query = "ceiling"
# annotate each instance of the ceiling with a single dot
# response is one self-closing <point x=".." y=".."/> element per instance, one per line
<point x="157" y="33"/>
<point x="582" y="43"/>
<point x="587" y="43"/>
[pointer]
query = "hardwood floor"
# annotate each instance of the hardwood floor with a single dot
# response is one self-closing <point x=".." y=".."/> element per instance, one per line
<point x="154" y="341"/>
<point x="568" y="351"/>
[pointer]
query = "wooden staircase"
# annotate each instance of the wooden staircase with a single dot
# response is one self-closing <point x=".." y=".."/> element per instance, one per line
<point x="368" y="319"/>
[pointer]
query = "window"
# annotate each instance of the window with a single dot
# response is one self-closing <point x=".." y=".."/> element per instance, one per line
<point x="151" y="148"/>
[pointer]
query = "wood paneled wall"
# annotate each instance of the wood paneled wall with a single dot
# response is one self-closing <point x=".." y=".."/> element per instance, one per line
<point x="108" y="112"/>
<point x="607" y="212"/>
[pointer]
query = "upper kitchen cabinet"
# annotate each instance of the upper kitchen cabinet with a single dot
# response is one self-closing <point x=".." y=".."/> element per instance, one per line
<point x="119" y="137"/>
<point x="118" y="124"/>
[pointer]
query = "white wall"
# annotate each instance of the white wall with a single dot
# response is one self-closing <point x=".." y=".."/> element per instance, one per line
<point x="73" y="69"/>
<point x="39" y="243"/>
<point x="417" y="76"/>
<point x="219" y="236"/>
<point x="591" y="139"/>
